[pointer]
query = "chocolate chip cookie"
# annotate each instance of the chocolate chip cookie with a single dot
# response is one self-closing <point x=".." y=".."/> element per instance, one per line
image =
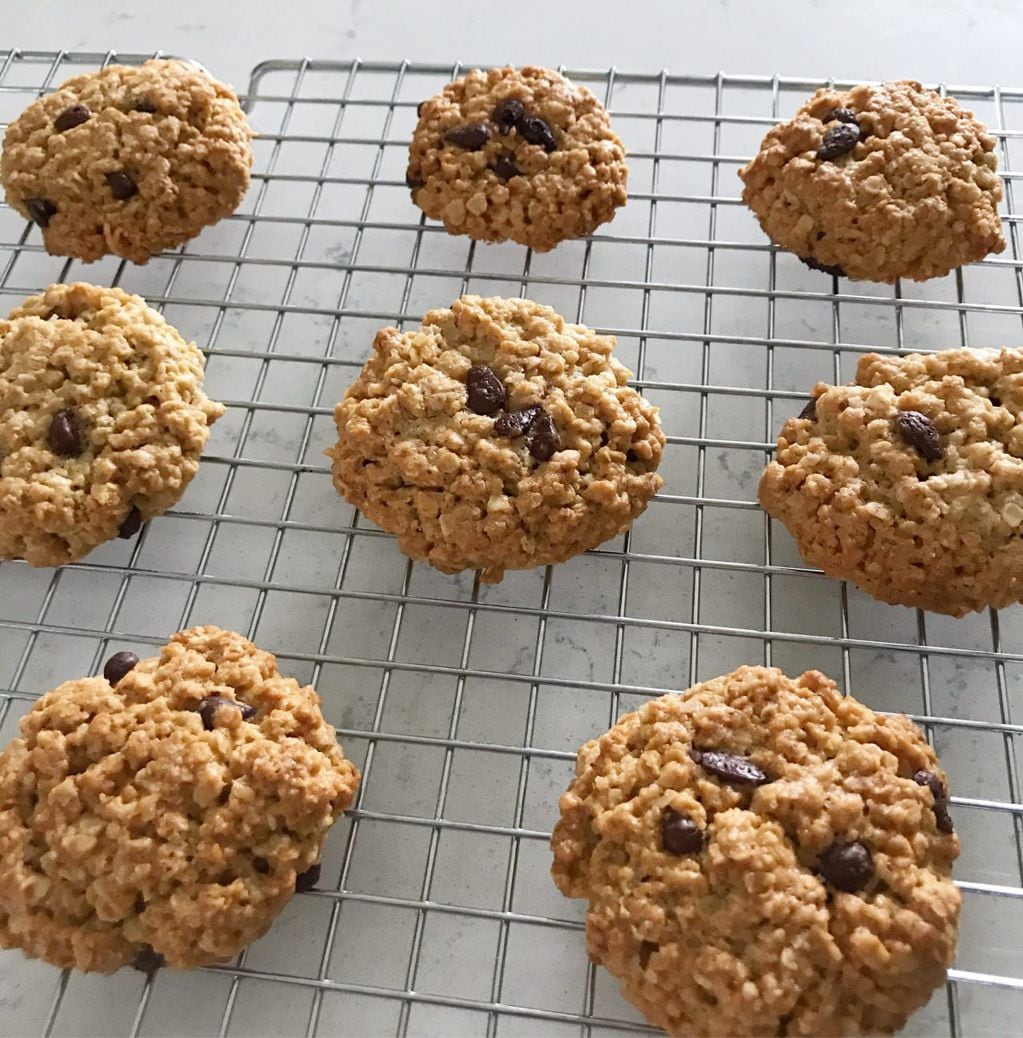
<point x="909" y="481"/>
<point x="166" y="811"/>
<point x="879" y="183"/>
<point x="102" y="421"/>
<point x="495" y="437"/>
<point x="520" y="155"/>
<point x="763" y="856"/>
<point x="128" y="161"/>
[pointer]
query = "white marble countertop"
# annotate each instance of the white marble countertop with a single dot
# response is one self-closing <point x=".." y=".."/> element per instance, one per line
<point x="444" y="687"/>
<point x="955" y="41"/>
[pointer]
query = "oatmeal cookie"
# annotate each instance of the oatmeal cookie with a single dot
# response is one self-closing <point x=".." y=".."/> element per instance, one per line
<point x="909" y="481"/>
<point x="763" y="856"/>
<point x="165" y="811"/>
<point x="517" y="154"/>
<point x="879" y="183"/>
<point x="495" y="437"/>
<point x="128" y="160"/>
<point x="102" y="421"/>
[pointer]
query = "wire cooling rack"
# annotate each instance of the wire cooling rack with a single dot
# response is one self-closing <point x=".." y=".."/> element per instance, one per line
<point x="464" y="704"/>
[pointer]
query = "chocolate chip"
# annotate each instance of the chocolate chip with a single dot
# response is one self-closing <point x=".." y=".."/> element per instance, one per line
<point x="825" y="268"/>
<point x="65" y="437"/>
<point x="535" y="130"/>
<point x="143" y="104"/>
<point x="40" y="210"/>
<point x="211" y="704"/>
<point x="122" y="185"/>
<point x="942" y="819"/>
<point x="919" y="432"/>
<point x="995" y="401"/>
<point x="841" y="115"/>
<point x="261" y="865"/>
<point x="130" y="525"/>
<point x="543" y="441"/>
<point x="419" y="108"/>
<point x="413" y="182"/>
<point x="728" y="767"/>
<point x="471" y="137"/>
<point x="837" y="141"/>
<point x="71" y="117"/>
<point x="679" y="833"/>
<point x="148" y="960"/>
<point x="118" y="665"/>
<point x="515" y="423"/>
<point x="307" y="880"/>
<point x="508" y="114"/>
<point x="810" y="410"/>
<point x="485" y="392"/>
<point x="505" y="167"/>
<point x="846" y="866"/>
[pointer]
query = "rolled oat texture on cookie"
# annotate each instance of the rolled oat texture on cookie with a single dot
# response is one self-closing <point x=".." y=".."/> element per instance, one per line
<point x="496" y="436"/>
<point x="103" y="420"/>
<point x="128" y="160"/>
<point x="166" y="811"/>
<point x="909" y="480"/>
<point x="520" y="155"/>
<point x="761" y="855"/>
<point x="879" y="182"/>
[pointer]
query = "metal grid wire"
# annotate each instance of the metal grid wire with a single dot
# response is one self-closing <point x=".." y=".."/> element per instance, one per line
<point x="464" y="704"/>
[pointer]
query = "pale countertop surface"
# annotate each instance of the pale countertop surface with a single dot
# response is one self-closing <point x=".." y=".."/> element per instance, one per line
<point x="954" y="41"/>
<point x="436" y="914"/>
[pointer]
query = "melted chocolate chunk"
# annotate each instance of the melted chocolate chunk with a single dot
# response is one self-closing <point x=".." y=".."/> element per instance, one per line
<point x="308" y="879"/>
<point x="71" y="117"/>
<point x="122" y="185"/>
<point x="846" y="866"/>
<point x="508" y="114"/>
<point x="65" y="436"/>
<point x="505" y="166"/>
<point x="543" y="440"/>
<point x="728" y="767"/>
<point x="40" y="210"/>
<point x="919" y="432"/>
<point x="535" y="130"/>
<point x="211" y="704"/>
<point x="679" y="833"/>
<point x="942" y="819"/>
<point x="810" y="410"/>
<point x="515" y="423"/>
<point x="838" y="141"/>
<point x="485" y="392"/>
<point x="471" y="137"/>
<point x="118" y="665"/>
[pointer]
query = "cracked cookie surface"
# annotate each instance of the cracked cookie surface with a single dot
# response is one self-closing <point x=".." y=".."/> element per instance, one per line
<point x="815" y="899"/>
<point x="128" y="160"/>
<point x="909" y="481"/>
<point x="140" y="821"/>
<point x="914" y="195"/>
<point x="559" y="455"/>
<point x="517" y="154"/>
<point x="102" y="421"/>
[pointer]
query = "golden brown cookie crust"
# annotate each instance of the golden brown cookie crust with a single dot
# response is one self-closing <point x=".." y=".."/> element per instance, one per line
<point x="416" y="460"/>
<point x="915" y="198"/>
<point x="179" y="135"/>
<point x="743" y="936"/>
<point x="564" y="193"/>
<point x="135" y="386"/>
<point x="126" y="825"/>
<point x="864" y="505"/>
